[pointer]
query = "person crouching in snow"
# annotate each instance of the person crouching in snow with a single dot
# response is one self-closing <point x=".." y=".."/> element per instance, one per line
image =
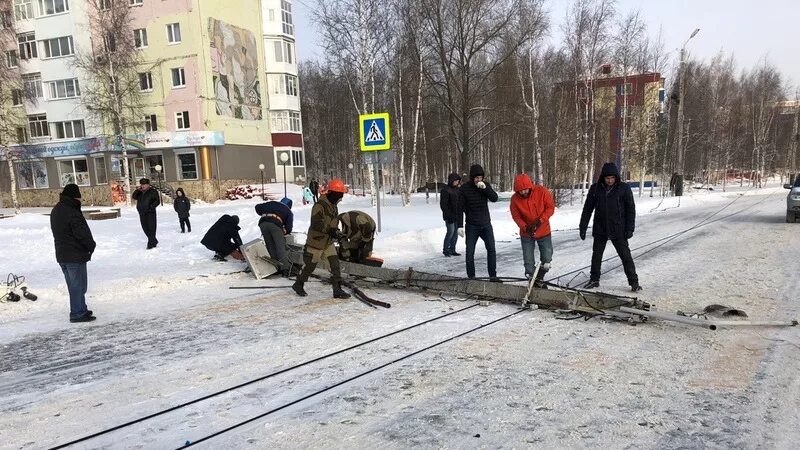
<point x="275" y="223"/>
<point x="182" y="205"/>
<point x="531" y="208"/>
<point x="223" y="238"/>
<point x="358" y="229"/>
<point x="322" y="233"/>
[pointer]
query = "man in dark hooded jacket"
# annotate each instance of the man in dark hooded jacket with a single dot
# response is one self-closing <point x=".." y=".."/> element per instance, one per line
<point x="474" y="197"/>
<point x="182" y="205"/>
<point x="449" y="202"/>
<point x="611" y="201"/>
<point x="223" y="238"/>
<point x="276" y="222"/>
<point x="74" y="247"/>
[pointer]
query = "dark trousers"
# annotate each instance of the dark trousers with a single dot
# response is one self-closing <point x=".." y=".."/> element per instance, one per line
<point x="77" y="284"/>
<point x="185" y="224"/>
<point x="624" y="252"/>
<point x="450" y="238"/>
<point x="486" y="233"/>
<point x="148" y="221"/>
<point x="275" y="242"/>
<point x="309" y="266"/>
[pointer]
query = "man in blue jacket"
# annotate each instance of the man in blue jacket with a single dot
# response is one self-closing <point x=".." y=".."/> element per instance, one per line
<point x="611" y="201"/>
<point x="275" y="223"/>
<point x="74" y="247"/>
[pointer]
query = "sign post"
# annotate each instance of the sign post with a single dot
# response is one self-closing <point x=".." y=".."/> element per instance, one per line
<point x="375" y="136"/>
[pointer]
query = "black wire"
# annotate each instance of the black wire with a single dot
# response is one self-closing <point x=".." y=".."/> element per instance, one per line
<point x="375" y="369"/>
<point x="262" y="378"/>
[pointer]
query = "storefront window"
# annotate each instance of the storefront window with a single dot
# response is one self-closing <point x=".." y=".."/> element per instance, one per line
<point x="187" y="165"/>
<point x="152" y="162"/>
<point x="74" y="171"/>
<point x="32" y="175"/>
<point x="100" y="173"/>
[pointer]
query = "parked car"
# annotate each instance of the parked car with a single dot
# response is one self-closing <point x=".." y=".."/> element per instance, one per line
<point x="793" y="201"/>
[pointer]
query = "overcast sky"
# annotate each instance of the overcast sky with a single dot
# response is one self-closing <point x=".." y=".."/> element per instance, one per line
<point x="750" y="29"/>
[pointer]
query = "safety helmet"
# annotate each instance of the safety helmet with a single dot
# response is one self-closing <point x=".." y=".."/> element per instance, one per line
<point x="337" y="185"/>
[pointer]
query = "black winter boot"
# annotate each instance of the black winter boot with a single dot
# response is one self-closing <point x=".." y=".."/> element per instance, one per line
<point x="298" y="288"/>
<point x="539" y="281"/>
<point x="338" y="292"/>
<point x="591" y="284"/>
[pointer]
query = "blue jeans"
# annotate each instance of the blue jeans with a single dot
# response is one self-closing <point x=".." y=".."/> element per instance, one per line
<point x="486" y="233"/>
<point x="77" y="283"/>
<point x="451" y="238"/>
<point x="545" y="252"/>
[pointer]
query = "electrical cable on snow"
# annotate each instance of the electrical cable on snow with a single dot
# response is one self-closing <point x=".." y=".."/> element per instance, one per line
<point x="262" y="378"/>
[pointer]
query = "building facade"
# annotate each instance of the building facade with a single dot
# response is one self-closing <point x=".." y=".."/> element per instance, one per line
<point x="205" y="121"/>
<point x="283" y="86"/>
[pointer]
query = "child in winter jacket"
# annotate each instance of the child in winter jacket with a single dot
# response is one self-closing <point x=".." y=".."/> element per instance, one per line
<point x="182" y="205"/>
<point x="308" y="196"/>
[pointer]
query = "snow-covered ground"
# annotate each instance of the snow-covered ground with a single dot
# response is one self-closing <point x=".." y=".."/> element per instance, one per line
<point x="169" y="330"/>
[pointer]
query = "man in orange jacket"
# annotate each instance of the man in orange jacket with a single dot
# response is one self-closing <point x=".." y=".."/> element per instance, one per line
<point x="531" y="207"/>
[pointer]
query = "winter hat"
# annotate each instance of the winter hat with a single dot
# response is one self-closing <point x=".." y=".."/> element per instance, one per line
<point x="609" y="169"/>
<point x="181" y="192"/>
<point x="334" y="196"/>
<point x="475" y="171"/>
<point x="144" y="181"/>
<point x="453" y="177"/>
<point x="71" y="191"/>
<point x="287" y="201"/>
<point x="235" y="219"/>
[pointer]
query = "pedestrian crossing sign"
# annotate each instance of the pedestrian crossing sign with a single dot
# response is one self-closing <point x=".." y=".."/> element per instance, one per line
<point x="374" y="132"/>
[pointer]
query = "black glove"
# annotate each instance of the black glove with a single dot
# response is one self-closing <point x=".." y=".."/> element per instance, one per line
<point x="583" y="235"/>
<point x="335" y="233"/>
<point x="628" y="234"/>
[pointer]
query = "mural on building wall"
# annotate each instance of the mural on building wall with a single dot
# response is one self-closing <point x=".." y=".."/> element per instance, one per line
<point x="234" y="67"/>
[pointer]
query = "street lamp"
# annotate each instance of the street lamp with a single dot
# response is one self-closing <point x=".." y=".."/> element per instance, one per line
<point x="284" y="160"/>
<point x="352" y="175"/>
<point x="261" y="168"/>
<point x="158" y="174"/>
<point x="681" y="102"/>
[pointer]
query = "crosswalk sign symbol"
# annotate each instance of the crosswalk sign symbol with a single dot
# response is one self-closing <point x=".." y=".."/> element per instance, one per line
<point x="374" y="132"/>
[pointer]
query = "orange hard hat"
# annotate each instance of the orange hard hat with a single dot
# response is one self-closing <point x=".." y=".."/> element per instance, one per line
<point x="337" y="185"/>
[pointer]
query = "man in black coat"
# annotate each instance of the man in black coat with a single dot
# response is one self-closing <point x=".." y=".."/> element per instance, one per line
<point x="223" y="238"/>
<point x="449" y="202"/>
<point x="314" y="186"/>
<point x="147" y="200"/>
<point x="611" y="201"/>
<point x="74" y="247"/>
<point x="474" y="198"/>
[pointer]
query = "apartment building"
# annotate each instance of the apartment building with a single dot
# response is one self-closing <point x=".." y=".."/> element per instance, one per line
<point x="205" y="120"/>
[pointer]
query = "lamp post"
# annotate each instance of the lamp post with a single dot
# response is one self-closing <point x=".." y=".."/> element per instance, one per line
<point x="261" y="168"/>
<point x="284" y="159"/>
<point x="681" y="102"/>
<point x="158" y="174"/>
<point x="352" y="175"/>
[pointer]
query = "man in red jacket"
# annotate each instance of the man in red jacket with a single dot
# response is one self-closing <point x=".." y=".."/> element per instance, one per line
<point x="531" y="207"/>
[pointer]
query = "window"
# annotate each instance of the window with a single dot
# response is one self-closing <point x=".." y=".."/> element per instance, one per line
<point x="27" y="46"/>
<point x="64" y="89"/>
<point x="62" y="46"/>
<point x="178" y="77"/>
<point x="23" y="9"/>
<point x="174" y="33"/>
<point x="32" y="85"/>
<point x="140" y="38"/>
<point x="74" y="171"/>
<point x="136" y="2"/>
<point x="283" y="51"/>
<point x="297" y="158"/>
<point x="628" y="89"/>
<point x="6" y="19"/>
<point x="22" y="135"/>
<point x="182" y="120"/>
<point x="145" y="82"/>
<point x="283" y="84"/>
<point x="69" y="129"/>
<point x="272" y="15"/>
<point x="294" y="121"/>
<point x="187" y="165"/>
<point x="153" y="160"/>
<point x="38" y="126"/>
<point x="110" y="42"/>
<point x="286" y="17"/>
<point x="16" y="97"/>
<point x="278" y="47"/>
<point x="32" y="175"/>
<point x="105" y="5"/>
<point x="100" y="174"/>
<point x="285" y="121"/>
<point x="150" y="123"/>
<point x="11" y="59"/>
<point x="50" y="7"/>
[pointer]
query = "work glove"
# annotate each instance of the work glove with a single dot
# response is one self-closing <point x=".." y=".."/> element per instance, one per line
<point x="335" y="234"/>
<point x="480" y="185"/>
<point x="583" y="235"/>
<point x="628" y="234"/>
<point x="461" y="232"/>
<point x="531" y="228"/>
